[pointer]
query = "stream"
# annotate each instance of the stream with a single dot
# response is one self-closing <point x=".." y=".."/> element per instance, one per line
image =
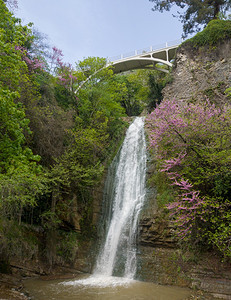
<point x="102" y="289"/>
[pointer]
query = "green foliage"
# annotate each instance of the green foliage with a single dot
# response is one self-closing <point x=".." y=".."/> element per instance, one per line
<point x="165" y="192"/>
<point x="129" y="89"/>
<point x="80" y="167"/>
<point x="195" y="13"/>
<point x="215" y="32"/>
<point x="98" y="90"/>
<point x="192" y="144"/>
<point x="19" y="191"/>
<point x="67" y="245"/>
<point x="59" y="128"/>
<point x="228" y="92"/>
<point x="12" y="36"/>
<point x="219" y="233"/>
<point x="50" y="220"/>
<point x="20" y="174"/>
<point x="13" y="124"/>
<point x="155" y="94"/>
<point x="140" y="89"/>
<point x="149" y="87"/>
<point x="18" y="241"/>
<point x="64" y="97"/>
<point x="90" y="140"/>
<point x="92" y="66"/>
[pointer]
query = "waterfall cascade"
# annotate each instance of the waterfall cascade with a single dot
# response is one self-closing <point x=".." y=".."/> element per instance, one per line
<point x="118" y="255"/>
<point x="116" y="263"/>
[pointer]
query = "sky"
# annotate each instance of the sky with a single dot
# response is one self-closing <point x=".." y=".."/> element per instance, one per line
<point x="104" y="28"/>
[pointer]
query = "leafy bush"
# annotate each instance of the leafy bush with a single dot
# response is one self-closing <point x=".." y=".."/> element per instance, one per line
<point x="192" y="145"/>
<point x="216" y="31"/>
<point x="18" y="241"/>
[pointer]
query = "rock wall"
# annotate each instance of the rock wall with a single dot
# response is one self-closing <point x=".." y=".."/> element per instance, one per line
<point x="172" y="267"/>
<point x="202" y="73"/>
<point x="162" y="261"/>
<point x="197" y="74"/>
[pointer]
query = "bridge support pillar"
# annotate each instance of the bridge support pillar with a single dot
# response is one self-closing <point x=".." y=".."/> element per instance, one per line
<point x="167" y="56"/>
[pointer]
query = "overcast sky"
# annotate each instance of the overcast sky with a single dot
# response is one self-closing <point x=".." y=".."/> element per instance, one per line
<point x="104" y="28"/>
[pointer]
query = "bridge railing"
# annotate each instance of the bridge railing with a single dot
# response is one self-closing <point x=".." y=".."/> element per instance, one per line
<point x="145" y="50"/>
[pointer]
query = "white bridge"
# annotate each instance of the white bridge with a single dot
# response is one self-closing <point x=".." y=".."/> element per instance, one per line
<point x="148" y="58"/>
<point x="153" y="57"/>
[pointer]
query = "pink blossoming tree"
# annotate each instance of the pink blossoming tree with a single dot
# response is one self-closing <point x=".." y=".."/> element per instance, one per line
<point x="63" y="71"/>
<point x="192" y="145"/>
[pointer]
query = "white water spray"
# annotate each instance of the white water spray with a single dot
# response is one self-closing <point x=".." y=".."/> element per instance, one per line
<point x="129" y="194"/>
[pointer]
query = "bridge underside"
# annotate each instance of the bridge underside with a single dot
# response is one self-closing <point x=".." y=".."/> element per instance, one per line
<point x="150" y="60"/>
<point x="154" y="59"/>
<point x="134" y="64"/>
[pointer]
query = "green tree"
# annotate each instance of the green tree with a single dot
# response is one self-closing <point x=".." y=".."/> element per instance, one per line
<point x="130" y="87"/>
<point x="20" y="174"/>
<point x="195" y="13"/>
<point x="155" y="92"/>
<point x="94" y="113"/>
<point x="96" y="90"/>
<point x="12" y="4"/>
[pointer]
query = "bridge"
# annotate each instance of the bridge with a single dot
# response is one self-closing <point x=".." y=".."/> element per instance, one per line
<point x="147" y="58"/>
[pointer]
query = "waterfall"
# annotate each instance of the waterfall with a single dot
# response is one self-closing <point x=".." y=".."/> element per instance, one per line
<point x="118" y="255"/>
<point x="125" y="189"/>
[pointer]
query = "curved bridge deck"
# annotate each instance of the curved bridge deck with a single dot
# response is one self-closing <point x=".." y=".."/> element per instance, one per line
<point x="149" y="58"/>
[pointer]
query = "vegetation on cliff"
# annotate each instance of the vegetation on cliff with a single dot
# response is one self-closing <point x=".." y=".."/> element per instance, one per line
<point x="216" y="31"/>
<point x="192" y="147"/>
<point x="190" y="142"/>
<point x="53" y="144"/>
<point x="59" y="128"/>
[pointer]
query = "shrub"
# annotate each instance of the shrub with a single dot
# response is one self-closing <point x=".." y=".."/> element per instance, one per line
<point x="192" y="145"/>
<point x="216" y="31"/>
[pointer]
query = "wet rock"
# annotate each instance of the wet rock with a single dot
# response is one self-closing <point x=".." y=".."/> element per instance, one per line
<point x="216" y="283"/>
<point x="161" y="260"/>
<point x="156" y="234"/>
<point x="11" y="288"/>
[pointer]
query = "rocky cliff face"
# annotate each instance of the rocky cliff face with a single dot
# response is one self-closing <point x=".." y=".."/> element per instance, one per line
<point x="201" y="73"/>
<point x="161" y="260"/>
<point x="197" y="75"/>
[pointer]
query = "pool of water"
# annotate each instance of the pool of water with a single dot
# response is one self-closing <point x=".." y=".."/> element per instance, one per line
<point x="102" y="288"/>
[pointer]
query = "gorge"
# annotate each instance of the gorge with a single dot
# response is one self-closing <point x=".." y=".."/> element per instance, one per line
<point x="68" y="153"/>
